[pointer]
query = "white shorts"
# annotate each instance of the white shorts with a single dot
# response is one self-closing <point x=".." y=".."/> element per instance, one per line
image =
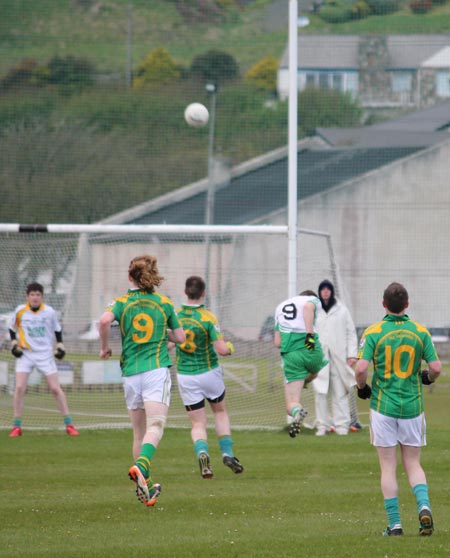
<point x="153" y="385"/>
<point x="43" y="362"/>
<point x="197" y="387"/>
<point x="387" y="432"/>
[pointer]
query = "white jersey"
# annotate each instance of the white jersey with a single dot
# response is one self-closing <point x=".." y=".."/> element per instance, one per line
<point x="289" y="314"/>
<point x="35" y="330"/>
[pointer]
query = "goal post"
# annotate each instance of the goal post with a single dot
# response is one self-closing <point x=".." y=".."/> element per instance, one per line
<point x="83" y="267"/>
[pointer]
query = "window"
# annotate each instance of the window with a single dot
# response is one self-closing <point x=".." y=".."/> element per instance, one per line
<point x="341" y="81"/>
<point x="337" y="80"/>
<point x="401" y="81"/>
<point x="310" y="80"/>
<point x="443" y="84"/>
<point x="323" y="81"/>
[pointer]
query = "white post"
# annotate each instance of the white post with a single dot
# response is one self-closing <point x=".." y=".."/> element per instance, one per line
<point x="294" y="23"/>
<point x="211" y="88"/>
<point x="292" y="150"/>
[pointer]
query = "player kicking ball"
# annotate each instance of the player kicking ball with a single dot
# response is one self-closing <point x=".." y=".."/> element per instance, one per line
<point x="300" y="349"/>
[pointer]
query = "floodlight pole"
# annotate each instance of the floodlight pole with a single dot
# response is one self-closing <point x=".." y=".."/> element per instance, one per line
<point x="129" y="68"/>
<point x="294" y="23"/>
<point x="211" y="89"/>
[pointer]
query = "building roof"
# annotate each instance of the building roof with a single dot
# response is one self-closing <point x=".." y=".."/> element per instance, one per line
<point x="419" y="129"/>
<point x="440" y="59"/>
<point x="341" y="51"/>
<point x="257" y="188"/>
<point x="252" y="196"/>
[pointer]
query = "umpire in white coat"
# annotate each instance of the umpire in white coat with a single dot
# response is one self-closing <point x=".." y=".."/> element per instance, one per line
<point x="337" y="334"/>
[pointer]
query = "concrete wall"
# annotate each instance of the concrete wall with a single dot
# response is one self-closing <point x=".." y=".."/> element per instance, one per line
<point x="392" y="224"/>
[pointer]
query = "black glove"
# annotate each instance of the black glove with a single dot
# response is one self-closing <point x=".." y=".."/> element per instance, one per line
<point x="310" y="342"/>
<point x="60" y="351"/>
<point x="365" y="392"/>
<point x="426" y="380"/>
<point x="16" y="349"/>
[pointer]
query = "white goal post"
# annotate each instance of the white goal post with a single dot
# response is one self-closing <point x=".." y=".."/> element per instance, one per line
<point x="82" y="267"/>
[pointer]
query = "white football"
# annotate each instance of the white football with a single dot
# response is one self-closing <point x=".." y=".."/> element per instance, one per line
<point x="196" y="115"/>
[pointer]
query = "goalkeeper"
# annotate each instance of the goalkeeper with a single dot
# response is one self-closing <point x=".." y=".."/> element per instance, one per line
<point x="200" y="377"/>
<point x="397" y="346"/>
<point x="301" y="352"/>
<point x="31" y="329"/>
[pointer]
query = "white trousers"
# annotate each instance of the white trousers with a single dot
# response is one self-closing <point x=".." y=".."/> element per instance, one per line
<point x="337" y="397"/>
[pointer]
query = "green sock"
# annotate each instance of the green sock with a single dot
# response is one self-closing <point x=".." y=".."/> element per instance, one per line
<point x="67" y="420"/>
<point x="226" y="445"/>
<point x="392" y="510"/>
<point x="144" y="461"/>
<point x="295" y="411"/>
<point x="201" y="446"/>
<point x="17" y="422"/>
<point x="421" y="494"/>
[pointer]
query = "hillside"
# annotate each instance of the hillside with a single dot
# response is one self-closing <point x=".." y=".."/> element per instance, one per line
<point x="109" y="31"/>
<point x="82" y="156"/>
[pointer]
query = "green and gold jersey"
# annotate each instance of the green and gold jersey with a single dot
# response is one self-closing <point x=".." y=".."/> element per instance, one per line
<point x="197" y="355"/>
<point x="397" y="346"/>
<point x="144" y="319"/>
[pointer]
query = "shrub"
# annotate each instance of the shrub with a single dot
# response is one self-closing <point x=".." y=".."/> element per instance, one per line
<point x="421" y="6"/>
<point x="383" y="7"/>
<point x="214" y="65"/>
<point x="327" y="107"/>
<point x="20" y="75"/>
<point x="336" y="11"/>
<point x="360" y="10"/>
<point x="69" y="71"/>
<point x="264" y="74"/>
<point x="157" y="68"/>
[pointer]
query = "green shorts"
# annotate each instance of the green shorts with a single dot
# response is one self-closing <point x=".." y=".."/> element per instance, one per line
<point x="298" y="364"/>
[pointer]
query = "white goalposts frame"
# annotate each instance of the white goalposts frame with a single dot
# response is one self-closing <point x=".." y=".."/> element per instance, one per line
<point x="246" y="378"/>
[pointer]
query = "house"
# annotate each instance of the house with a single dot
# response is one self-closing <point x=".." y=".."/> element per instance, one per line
<point x="382" y="71"/>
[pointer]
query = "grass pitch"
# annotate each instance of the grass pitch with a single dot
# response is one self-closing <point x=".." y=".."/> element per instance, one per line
<point x="311" y="497"/>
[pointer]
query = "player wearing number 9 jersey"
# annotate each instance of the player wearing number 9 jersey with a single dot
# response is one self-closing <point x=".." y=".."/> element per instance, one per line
<point x="300" y="349"/>
<point x="200" y="377"/>
<point x="396" y="346"/>
<point x="147" y="322"/>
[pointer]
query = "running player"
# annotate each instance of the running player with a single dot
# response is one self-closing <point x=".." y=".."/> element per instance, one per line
<point x="31" y="329"/>
<point x="200" y="377"/>
<point x="147" y="321"/>
<point x="300" y="349"/>
<point x="397" y="346"/>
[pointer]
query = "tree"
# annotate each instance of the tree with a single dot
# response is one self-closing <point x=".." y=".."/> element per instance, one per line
<point x="214" y="65"/>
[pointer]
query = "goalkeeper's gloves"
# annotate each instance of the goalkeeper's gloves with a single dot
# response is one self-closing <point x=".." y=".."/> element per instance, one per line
<point x="60" y="351"/>
<point x="230" y="345"/>
<point x="310" y="342"/>
<point x="365" y="392"/>
<point x="426" y="380"/>
<point x="16" y="349"/>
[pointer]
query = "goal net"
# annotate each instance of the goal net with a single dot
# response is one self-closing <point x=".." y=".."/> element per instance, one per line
<point x="246" y="276"/>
